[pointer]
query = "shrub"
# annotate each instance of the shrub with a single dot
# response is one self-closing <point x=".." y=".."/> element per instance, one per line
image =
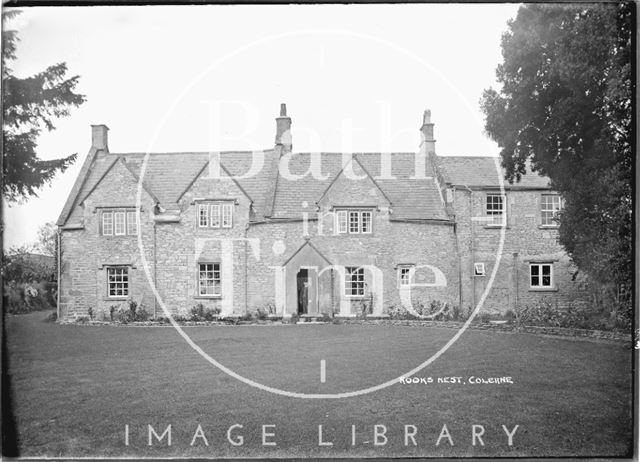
<point x="123" y="315"/>
<point x="325" y="317"/>
<point x="53" y="317"/>
<point x="90" y="312"/>
<point x="247" y="316"/>
<point x="261" y="314"/>
<point x="82" y="319"/>
<point x="294" y="318"/>
<point x="112" y="310"/>
<point x="200" y="313"/>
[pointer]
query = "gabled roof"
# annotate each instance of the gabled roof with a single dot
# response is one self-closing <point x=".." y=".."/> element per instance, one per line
<point x="481" y="172"/>
<point x="411" y="198"/>
<point x="77" y="187"/>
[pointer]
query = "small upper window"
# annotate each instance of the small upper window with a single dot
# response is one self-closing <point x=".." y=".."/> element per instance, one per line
<point x="541" y="275"/>
<point x="478" y="269"/>
<point x="107" y="223"/>
<point x="215" y="215"/>
<point x="132" y="223"/>
<point x="495" y="209"/>
<point x="550" y="205"/>
<point x="354" y="221"/>
<point x="404" y="275"/>
<point x="119" y="223"/>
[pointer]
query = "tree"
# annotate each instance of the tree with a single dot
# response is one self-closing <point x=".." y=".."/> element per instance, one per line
<point x="29" y="105"/>
<point x="565" y="105"/>
<point x="47" y="238"/>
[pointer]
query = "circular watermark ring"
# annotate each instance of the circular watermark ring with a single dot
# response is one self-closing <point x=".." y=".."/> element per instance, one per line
<point x="205" y="355"/>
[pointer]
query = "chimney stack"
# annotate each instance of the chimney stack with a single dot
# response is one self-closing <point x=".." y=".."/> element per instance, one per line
<point x="99" y="137"/>
<point x="283" y="129"/>
<point x="427" y="144"/>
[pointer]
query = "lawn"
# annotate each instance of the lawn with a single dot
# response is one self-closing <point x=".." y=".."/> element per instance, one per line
<point x="75" y="388"/>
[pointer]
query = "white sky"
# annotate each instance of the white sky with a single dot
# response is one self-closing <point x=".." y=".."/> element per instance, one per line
<point x="354" y="77"/>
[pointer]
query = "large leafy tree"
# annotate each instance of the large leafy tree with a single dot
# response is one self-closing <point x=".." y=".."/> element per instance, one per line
<point x="29" y="105"/>
<point x="565" y="106"/>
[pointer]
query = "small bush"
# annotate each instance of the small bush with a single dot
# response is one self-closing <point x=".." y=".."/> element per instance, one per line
<point x="52" y="317"/>
<point x="248" y="316"/>
<point x="112" y="312"/>
<point x="82" y="319"/>
<point x="294" y="318"/>
<point x="200" y="313"/>
<point x="262" y="314"/>
<point x="90" y="312"/>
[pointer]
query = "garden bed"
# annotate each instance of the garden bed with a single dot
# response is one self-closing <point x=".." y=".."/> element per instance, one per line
<point x="503" y="326"/>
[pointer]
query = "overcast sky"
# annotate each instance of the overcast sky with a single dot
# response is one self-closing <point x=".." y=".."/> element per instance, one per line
<point x="199" y="78"/>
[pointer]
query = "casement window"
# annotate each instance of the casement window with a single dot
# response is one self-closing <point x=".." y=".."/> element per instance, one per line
<point x="541" y="275"/>
<point x="118" y="281"/>
<point x="404" y="275"/>
<point x="227" y="215"/>
<point x="495" y="209"/>
<point x="341" y="221"/>
<point x="550" y="205"/>
<point x="132" y="223"/>
<point x="215" y="215"/>
<point x="354" y="221"/>
<point x="354" y="281"/>
<point x="478" y="269"/>
<point x="120" y="222"/>
<point x="119" y="219"/>
<point x="107" y="223"/>
<point x="203" y="215"/>
<point x="209" y="282"/>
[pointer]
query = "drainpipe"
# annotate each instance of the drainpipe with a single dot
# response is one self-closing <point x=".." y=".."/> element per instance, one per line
<point x="473" y="292"/>
<point x="59" y="265"/>
<point x="155" y="266"/>
<point x="246" y="271"/>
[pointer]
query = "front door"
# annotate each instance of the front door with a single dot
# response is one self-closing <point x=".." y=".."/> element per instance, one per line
<point x="307" y="286"/>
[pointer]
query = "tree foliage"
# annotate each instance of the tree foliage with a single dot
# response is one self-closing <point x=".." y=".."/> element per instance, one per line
<point x="47" y="238"/>
<point x="565" y="106"/>
<point x="29" y="105"/>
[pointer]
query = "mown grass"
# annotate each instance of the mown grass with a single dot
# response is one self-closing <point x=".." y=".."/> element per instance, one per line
<point x="76" y="387"/>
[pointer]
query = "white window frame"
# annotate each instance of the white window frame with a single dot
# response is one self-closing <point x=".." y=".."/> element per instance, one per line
<point x="227" y="215"/>
<point x="479" y="269"/>
<point x="353" y="225"/>
<point x="405" y="275"/>
<point x="498" y="216"/>
<point x="352" y="221"/>
<point x="107" y="231"/>
<point x="215" y="216"/>
<point x="215" y="280"/>
<point x="539" y="267"/>
<point x="203" y="216"/>
<point x="364" y="213"/>
<point x="120" y="226"/>
<point x="351" y="284"/>
<point x="132" y="223"/>
<point x="546" y="208"/>
<point x="341" y="221"/>
<point x="118" y="281"/>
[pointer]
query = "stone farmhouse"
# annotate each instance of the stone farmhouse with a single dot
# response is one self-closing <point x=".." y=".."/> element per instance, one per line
<point x="306" y="233"/>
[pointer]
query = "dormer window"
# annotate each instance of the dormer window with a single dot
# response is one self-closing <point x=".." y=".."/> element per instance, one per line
<point x="354" y="221"/>
<point x="215" y="215"/>
<point x="119" y="222"/>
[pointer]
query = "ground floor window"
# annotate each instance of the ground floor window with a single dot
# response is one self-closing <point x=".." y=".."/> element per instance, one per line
<point x="118" y="281"/>
<point x="541" y="275"/>
<point x="354" y="281"/>
<point x="209" y="283"/>
<point x="404" y="275"/>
